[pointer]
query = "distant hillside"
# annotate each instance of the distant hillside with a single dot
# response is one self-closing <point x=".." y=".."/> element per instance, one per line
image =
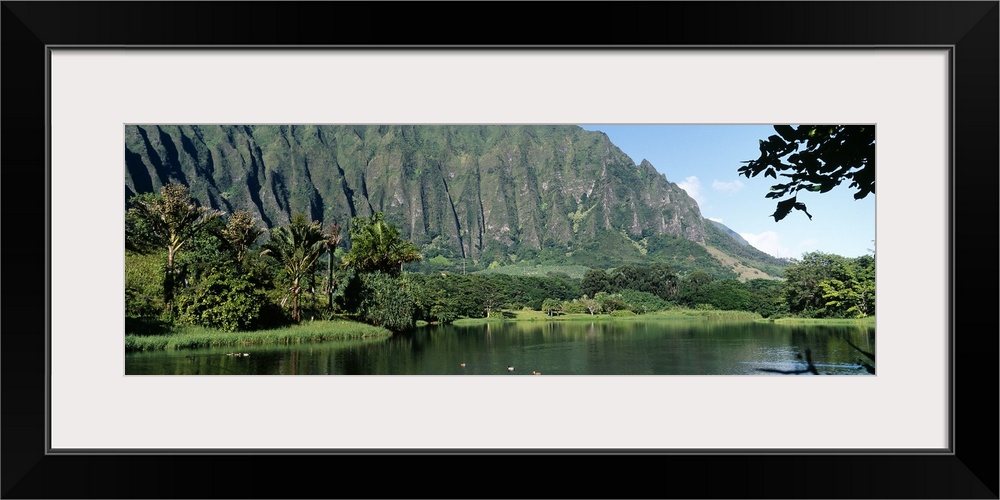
<point x="732" y="234"/>
<point x="466" y="195"/>
<point x="742" y="253"/>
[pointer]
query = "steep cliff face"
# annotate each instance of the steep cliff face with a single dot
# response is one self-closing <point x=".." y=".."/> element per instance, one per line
<point x="456" y="190"/>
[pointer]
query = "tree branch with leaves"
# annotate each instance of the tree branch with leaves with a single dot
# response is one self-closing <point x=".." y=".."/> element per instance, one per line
<point x="815" y="158"/>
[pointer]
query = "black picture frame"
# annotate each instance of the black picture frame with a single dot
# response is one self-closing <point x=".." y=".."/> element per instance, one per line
<point x="970" y="28"/>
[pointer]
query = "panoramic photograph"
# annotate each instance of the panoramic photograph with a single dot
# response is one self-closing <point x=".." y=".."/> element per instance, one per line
<point x="499" y="250"/>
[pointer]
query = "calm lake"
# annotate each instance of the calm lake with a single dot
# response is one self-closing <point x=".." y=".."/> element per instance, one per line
<point x="619" y="347"/>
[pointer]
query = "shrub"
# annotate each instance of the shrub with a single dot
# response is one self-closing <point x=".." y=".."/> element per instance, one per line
<point x="610" y="302"/>
<point x="573" y="307"/>
<point x="622" y="313"/>
<point x="443" y="313"/>
<point x="642" y="302"/>
<point x="385" y="302"/>
<point x="224" y="300"/>
<point x="728" y="294"/>
<point x="144" y="284"/>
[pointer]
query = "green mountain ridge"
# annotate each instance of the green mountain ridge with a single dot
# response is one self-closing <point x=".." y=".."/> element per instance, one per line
<point x="475" y="194"/>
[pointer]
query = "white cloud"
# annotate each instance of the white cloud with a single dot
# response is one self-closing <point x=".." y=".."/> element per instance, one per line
<point x="727" y="187"/>
<point x="769" y="243"/>
<point x="693" y="187"/>
<point x="716" y="219"/>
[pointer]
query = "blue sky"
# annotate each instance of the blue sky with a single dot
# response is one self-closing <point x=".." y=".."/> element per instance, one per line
<point x="703" y="159"/>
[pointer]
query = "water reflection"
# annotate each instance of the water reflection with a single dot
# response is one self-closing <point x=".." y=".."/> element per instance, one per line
<point x="552" y="348"/>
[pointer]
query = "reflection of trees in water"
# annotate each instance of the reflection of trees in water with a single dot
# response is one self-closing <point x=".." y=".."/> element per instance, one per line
<point x="584" y="347"/>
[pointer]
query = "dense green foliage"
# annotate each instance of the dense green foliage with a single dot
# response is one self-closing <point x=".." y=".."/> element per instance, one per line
<point x="232" y="287"/>
<point x="478" y="295"/>
<point x="167" y="220"/>
<point x="766" y="297"/>
<point x="610" y="302"/>
<point x="642" y="302"/>
<point x="728" y="295"/>
<point x="385" y="302"/>
<point x="144" y="284"/>
<point x="377" y="246"/>
<point x="692" y="290"/>
<point x="658" y="279"/>
<point x="227" y="300"/>
<point x="828" y="285"/>
<point x="819" y="285"/>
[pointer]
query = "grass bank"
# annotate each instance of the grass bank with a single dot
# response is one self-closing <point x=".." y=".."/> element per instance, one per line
<point x="191" y="337"/>
<point x="672" y="314"/>
<point x="867" y="321"/>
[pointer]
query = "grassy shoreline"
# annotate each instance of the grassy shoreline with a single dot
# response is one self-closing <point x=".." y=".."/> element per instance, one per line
<point x="869" y="320"/>
<point x="193" y="337"/>
<point x="675" y="314"/>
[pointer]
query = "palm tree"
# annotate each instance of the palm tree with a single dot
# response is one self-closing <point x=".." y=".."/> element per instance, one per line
<point x="332" y="235"/>
<point x="241" y="232"/>
<point x="378" y="246"/>
<point x="297" y="247"/>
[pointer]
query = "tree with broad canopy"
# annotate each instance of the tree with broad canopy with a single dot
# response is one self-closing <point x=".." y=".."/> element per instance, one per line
<point x="168" y="220"/>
